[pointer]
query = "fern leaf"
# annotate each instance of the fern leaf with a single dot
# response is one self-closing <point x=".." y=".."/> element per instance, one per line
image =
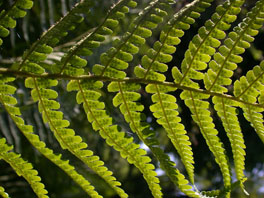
<point x="7" y="17"/>
<point x="27" y="130"/>
<point x="3" y="194"/>
<point x="165" y="109"/>
<point x="203" y="45"/>
<point x="116" y="59"/>
<point x="221" y="69"/>
<point x="248" y="88"/>
<point x="41" y="92"/>
<point x="227" y="112"/>
<point x="38" y="52"/>
<point x="66" y="136"/>
<point x="201" y="115"/>
<point x="71" y="63"/>
<point x="22" y="168"/>
<point x="225" y="61"/>
<point x="102" y="122"/>
<point x="201" y="48"/>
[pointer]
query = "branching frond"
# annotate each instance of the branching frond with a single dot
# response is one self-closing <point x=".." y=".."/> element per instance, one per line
<point x="135" y="41"/>
<point x="88" y="95"/>
<point x="8" y="103"/>
<point x="221" y="69"/>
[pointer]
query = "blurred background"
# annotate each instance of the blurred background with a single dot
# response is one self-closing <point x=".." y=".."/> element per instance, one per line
<point x="208" y="177"/>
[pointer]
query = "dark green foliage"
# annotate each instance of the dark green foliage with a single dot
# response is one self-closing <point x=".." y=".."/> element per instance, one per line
<point x="113" y="63"/>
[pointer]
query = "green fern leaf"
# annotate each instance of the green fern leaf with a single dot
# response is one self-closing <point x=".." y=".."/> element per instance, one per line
<point x="203" y="45"/>
<point x="41" y="48"/>
<point x="22" y="168"/>
<point x="248" y="88"/>
<point x="225" y="61"/>
<point x="221" y="69"/>
<point x="7" y="17"/>
<point x="165" y="109"/>
<point x="201" y="115"/>
<point x="227" y="112"/>
<point x="66" y="136"/>
<point x="117" y="58"/>
<point x="93" y="40"/>
<point x="3" y="193"/>
<point x="8" y="101"/>
<point x="103" y="123"/>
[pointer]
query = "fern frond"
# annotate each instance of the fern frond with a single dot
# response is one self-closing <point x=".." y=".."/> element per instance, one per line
<point x="47" y="106"/>
<point x="226" y="60"/>
<point x="116" y="59"/>
<point x="203" y="45"/>
<point x="8" y="16"/>
<point x="201" y="115"/>
<point x="227" y="112"/>
<point x="221" y="69"/>
<point x="32" y="58"/>
<point x="72" y="63"/>
<point x="201" y="48"/>
<point x="165" y="109"/>
<point x="249" y="88"/>
<point x="66" y="136"/>
<point x="3" y="194"/>
<point x="88" y="95"/>
<point x="22" y="168"/>
<point x="8" y="101"/>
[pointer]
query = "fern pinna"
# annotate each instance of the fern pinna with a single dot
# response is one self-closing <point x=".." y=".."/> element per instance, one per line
<point x="132" y="63"/>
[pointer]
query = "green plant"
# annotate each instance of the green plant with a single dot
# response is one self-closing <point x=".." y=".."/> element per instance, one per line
<point x="203" y="78"/>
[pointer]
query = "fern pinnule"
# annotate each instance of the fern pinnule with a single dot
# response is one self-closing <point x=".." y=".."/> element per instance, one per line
<point x="103" y="123"/>
<point x="8" y="103"/>
<point x="249" y="88"/>
<point x="3" y="193"/>
<point x="72" y="63"/>
<point x="8" y="16"/>
<point x="22" y="168"/>
<point x="66" y="136"/>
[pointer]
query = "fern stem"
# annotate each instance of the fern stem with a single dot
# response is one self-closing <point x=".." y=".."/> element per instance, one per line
<point x="129" y="80"/>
